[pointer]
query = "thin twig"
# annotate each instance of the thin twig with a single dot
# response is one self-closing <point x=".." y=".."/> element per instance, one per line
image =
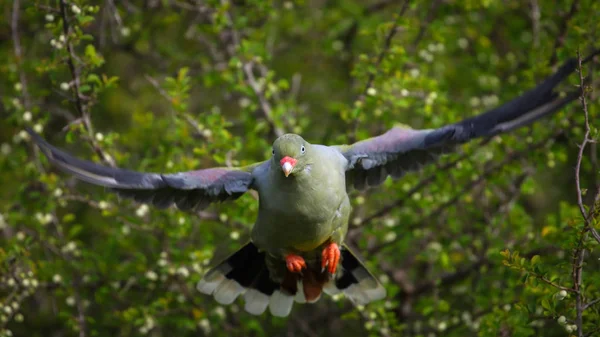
<point x="248" y="68"/>
<point x="14" y="25"/>
<point x="592" y="303"/>
<point x="560" y="40"/>
<point x="81" y="108"/>
<point x="386" y="47"/>
<point x="579" y="252"/>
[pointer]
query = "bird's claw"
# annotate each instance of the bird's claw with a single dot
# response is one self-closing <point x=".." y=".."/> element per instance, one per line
<point x="330" y="257"/>
<point x="295" y="263"/>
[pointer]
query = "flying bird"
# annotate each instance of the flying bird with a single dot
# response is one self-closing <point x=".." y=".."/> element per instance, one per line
<point x="297" y="251"/>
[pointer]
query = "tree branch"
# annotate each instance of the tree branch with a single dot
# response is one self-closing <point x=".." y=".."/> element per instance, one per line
<point x="380" y="57"/>
<point x="81" y="108"/>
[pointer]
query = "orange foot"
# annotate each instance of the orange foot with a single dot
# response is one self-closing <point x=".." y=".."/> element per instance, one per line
<point x="295" y="263"/>
<point x="330" y="257"/>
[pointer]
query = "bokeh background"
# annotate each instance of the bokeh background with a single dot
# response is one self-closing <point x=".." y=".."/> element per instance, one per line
<point x="488" y="241"/>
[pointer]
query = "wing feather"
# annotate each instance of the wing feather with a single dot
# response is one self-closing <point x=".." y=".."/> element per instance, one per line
<point x="192" y="190"/>
<point x="400" y="150"/>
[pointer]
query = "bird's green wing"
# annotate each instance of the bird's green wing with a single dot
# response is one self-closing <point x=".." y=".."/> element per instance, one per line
<point x="400" y="150"/>
<point x="191" y="190"/>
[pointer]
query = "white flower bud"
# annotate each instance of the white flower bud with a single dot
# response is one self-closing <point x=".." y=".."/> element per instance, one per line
<point x="561" y="295"/>
<point x="75" y="9"/>
<point x="390" y="236"/>
<point x="183" y="272"/>
<point x="142" y="210"/>
<point x="49" y="17"/>
<point x="151" y="275"/>
<point x="38" y="128"/>
<point x="70" y="301"/>
<point x="99" y="136"/>
<point x="57" y="278"/>
<point x="562" y="320"/>
<point x="64" y="86"/>
<point x="58" y="192"/>
<point x="234" y="235"/>
<point x="371" y="91"/>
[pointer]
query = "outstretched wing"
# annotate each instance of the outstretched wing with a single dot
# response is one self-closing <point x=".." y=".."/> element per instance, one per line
<point x="400" y="150"/>
<point x="192" y="190"/>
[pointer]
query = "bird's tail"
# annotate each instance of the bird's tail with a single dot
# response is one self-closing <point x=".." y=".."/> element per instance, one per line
<point x="246" y="273"/>
<point x="355" y="281"/>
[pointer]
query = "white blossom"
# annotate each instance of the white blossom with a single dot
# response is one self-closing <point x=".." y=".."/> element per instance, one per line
<point x="19" y="317"/>
<point x="204" y="324"/>
<point x="220" y="311"/>
<point x="103" y="204"/>
<point x="57" y="278"/>
<point x="38" y="128"/>
<point x="76" y="9"/>
<point x="142" y="210"/>
<point x="562" y="320"/>
<point x="162" y="262"/>
<point x="183" y="272"/>
<point x="234" y="235"/>
<point x="49" y="17"/>
<point x="463" y="43"/>
<point x="125" y="31"/>
<point x="99" y="136"/>
<point x="244" y="102"/>
<point x="389" y="222"/>
<point x="371" y="91"/>
<point x="64" y="86"/>
<point x="561" y="295"/>
<point x="390" y="236"/>
<point x="20" y="236"/>
<point x="70" y="301"/>
<point x="151" y="275"/>
<point x="23" y="135"/>
<point x="5" y="149"/>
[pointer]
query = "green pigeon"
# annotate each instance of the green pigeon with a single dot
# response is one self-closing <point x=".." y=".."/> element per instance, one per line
<point x="297" y="251"/>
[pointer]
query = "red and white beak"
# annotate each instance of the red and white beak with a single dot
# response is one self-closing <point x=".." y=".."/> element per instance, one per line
<point x="287" y="165"/>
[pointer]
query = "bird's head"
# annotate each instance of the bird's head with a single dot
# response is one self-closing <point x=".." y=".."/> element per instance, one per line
<point x="291" y="153"/>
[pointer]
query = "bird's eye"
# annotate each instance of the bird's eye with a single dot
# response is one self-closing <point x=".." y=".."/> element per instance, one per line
<point x="302" y="149"/>
<point x="273" y="151"/>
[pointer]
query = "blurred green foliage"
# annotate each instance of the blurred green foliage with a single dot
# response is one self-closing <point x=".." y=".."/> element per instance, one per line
<point x="483" y="243"/>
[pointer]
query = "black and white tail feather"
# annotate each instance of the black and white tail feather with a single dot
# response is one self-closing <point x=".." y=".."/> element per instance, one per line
<point x="246" y="273"/>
